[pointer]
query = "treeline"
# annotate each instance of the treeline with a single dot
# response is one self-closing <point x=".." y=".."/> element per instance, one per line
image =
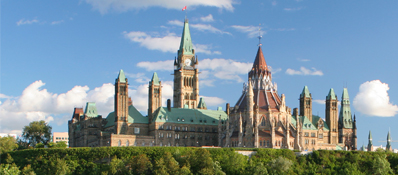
<point x="183" y="160"/>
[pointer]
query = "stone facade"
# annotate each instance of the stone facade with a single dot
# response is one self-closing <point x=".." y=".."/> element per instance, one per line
<point x="260" y="117"/>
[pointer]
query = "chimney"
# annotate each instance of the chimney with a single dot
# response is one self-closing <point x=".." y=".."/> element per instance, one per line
<point x="295" y="111"/>
<point x="169" y="104"/>
<point x="130" y="103"/>
<point x="227" y="109"/>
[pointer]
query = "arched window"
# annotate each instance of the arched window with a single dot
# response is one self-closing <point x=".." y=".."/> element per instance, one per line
<point x="263" y="122"/>
<point x="127" y="143"/>
<point x="119" y="143"/>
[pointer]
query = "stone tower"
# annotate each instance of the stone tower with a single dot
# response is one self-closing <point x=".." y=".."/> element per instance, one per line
<point x="155" y="95"/>
<point x="346" y="129"/>
<point x="332" y="116"/>
<point x="186" y="80"/>
<point x="121" y="103"/>
<point x="306" y="103"/>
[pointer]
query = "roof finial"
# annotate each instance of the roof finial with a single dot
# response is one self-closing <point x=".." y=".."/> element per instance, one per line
<point x="259" y="35"/>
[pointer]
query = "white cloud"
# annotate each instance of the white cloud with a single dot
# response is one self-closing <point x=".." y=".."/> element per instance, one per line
<point x="138" y="77"/>
<point x="208" y="27"/>
<point x="304" y="71"/>
<point x="176" y="23"/>
<point x="4" y="96"/>
<point x="322" y="102"/>
<point x="303" y="60"/>
<point x="103" y="6"/>
<point x="167" y="65"/>
<point x="208" y="18"/>
<point x="57" y="22"/>
<point x="224" y="69"/>
<point x="293" y="9"/>
<point x="36" y="103"/>
<point x="23" y="22"/>
<point x="168" y="43"/>
<point x="373" y="100"/>
<point x="213" y="101"/>
<point x="200" y="27"/>
<point x="252" y="31"/>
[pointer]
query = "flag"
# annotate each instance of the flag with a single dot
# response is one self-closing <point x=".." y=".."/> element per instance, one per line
<point x="185" y="7"/>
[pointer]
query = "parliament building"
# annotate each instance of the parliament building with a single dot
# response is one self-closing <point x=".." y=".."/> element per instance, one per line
<point x="259" y="119"/>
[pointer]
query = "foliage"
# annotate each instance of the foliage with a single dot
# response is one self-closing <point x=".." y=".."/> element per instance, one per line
<point x="7" y="144"/>
<point x="36" y="132"/>
<point x="183" y="160"/>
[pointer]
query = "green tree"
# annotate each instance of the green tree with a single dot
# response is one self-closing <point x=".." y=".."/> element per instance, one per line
<point x="280" y="165"/>
<point x="141" y="164"/>
<point x="36" y="132"/>
<point x="61" y="144"/>
<point x="7" y="144"/>
<point x="9" y="169"/>
<point x="381" y="165"/>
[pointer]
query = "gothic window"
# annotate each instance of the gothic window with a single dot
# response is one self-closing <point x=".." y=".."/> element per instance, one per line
<point x="119" y="143"/>
<point x="127" y="143"/>
<point x="263" y="122"/>
<point x="320" y="136"/>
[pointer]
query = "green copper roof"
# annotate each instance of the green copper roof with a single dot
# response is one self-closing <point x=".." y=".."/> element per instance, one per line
<point x="345" y="117"/>
<point x="189" y="116"/>
<point x="307" y="125"/>
<point x="155" y="79"/>
<point x="186" y="46"/>
<point x="315" y="120"/>
<point x="91" y="110"/>
<point x="121" y="77"/>
<point x="202" y="104"/>
<point x="134" y="117"/>
<point x="305" y="93"/>
<point x="331" y="95"/>
<point x="388" y="146"/>
<point x="370" y="139"/>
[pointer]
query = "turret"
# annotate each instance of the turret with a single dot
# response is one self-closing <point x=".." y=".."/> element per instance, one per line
<point x="306" y="103"/>
<point x="370" y="142"/>
<point x="121" y="103"/>
<point x="388" y="147"/>
<point x="154" y="95"/>
<point x="332" y="116"/>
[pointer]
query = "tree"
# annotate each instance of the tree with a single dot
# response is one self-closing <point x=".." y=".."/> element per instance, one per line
<point x="280" y="165"/>
<point x="7" y="144"/>
<point x="381" y="165"/>
<point x="36" y="132"/>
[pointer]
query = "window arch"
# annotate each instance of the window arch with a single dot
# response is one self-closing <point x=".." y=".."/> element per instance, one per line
<point x="127" y="143"/>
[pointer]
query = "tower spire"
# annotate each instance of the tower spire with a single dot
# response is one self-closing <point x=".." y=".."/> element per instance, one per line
<point x="186" y="46"/>
<point x="259" y="35"/>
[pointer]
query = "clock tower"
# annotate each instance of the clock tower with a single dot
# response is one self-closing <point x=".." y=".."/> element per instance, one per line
<point x="186" y="80"/>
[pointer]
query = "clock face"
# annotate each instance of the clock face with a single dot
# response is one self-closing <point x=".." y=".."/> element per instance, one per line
<point x="187" y="62"/>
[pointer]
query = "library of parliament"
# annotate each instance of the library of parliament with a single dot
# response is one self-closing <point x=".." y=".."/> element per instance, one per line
<point x="259" y="118"/>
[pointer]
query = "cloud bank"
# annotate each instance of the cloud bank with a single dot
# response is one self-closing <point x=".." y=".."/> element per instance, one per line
<point x="304" y="71"/>
<point x="373" y="100"/>
<point x="103" y="6"/>
<point x="167" y="43"/>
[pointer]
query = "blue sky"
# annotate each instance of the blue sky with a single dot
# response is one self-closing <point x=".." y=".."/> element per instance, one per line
<point x="57" y="55"/>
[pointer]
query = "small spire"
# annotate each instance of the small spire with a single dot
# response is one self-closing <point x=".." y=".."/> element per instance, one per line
<point x="155" y="79"/>
<point x="202" y="104"/>
<point x="186" y="46"/>
<point x="305" y="92"/>
<point x="259" y="35"/>
<point x="121" y="77"/>
<point x="331" y="95"/>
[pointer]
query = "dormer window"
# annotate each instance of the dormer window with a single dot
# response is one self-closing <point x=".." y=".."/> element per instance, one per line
<point x="178" y="119"/>
<point x="182" y="119"/>
<point x="191" y="120"/>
